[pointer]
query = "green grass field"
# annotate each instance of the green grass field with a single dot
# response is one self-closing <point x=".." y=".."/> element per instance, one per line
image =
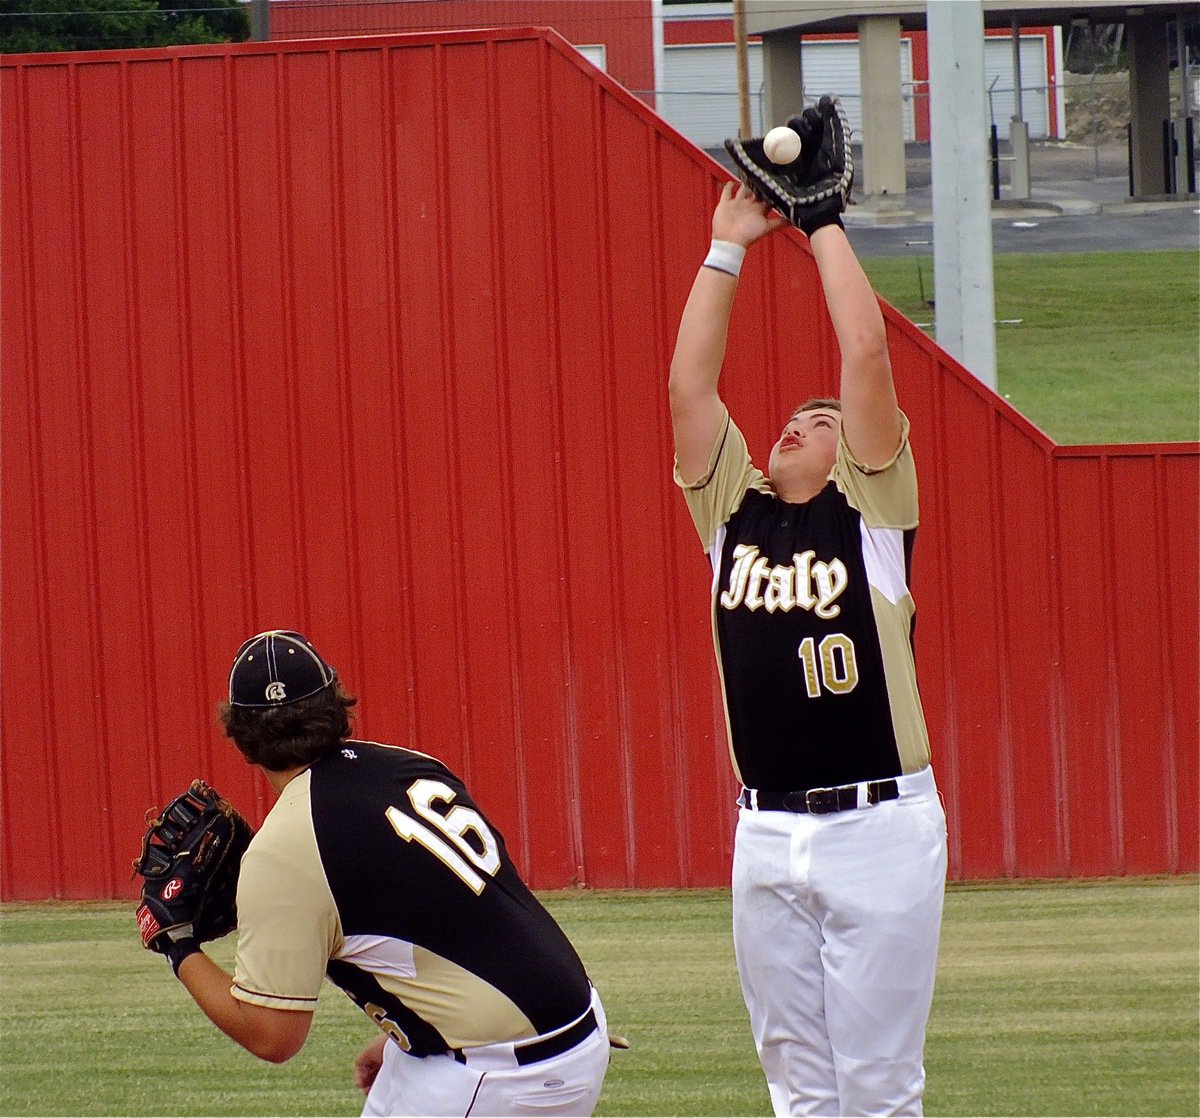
<point x="1053" y="999"/>
<point x="1107" y="349"/>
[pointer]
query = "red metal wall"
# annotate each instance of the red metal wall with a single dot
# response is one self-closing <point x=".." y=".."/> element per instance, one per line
<point x="369" y="338"/>
<point x="625" y="28"/>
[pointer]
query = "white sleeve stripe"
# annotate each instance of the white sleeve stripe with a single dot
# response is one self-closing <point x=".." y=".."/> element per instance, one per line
<point x="883" y="554"/>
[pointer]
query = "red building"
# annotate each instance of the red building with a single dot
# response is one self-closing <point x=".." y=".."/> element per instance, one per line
<point x="679" y="58"/>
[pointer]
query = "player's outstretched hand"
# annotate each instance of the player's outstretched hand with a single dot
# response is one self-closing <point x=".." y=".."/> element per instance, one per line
<point x="814" y="189"/>
<point x="741" y="217"/>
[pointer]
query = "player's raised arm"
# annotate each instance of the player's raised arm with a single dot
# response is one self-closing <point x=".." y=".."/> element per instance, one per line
<point x="739" y="220"/>
<point x="812" y="191"/>
<point x="870" y="414"/>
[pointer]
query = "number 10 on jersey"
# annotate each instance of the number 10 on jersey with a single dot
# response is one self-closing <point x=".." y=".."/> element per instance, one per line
<point x="830" y="664"/>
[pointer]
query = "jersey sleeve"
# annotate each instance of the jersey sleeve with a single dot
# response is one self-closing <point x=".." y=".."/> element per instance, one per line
<point x="716" y="496"/>
<point x="288" y="925"/>
<point x="886" y="496"/>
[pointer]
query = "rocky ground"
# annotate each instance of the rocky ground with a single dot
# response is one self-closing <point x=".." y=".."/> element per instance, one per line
<point x="1049" y="161"/>
<point x="1096" y="143"/>
<point x="1097" y="107"/>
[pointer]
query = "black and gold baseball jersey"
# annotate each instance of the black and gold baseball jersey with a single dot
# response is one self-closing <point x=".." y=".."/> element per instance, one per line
<point x="376" y="868"/>
<point x="813" y="619"/>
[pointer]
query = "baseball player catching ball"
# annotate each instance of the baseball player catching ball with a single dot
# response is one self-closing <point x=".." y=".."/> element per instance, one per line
<point x="377" y="869"/>
<point x="840" y="849"/>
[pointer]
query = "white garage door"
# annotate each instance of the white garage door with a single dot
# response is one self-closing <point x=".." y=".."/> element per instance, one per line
<point x="700" y="83"/>
<point x="833" y="67"/>
<point x="701" y="87"/>
<point x="998" y="81"/>
<point x="701" y="98"/>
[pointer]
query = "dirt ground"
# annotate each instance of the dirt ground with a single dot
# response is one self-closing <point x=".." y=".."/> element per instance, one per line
<point x="1097" y="106"/>
<point x="1096" y="144"/>
<point x="1049" y="161"/>
<point x="1097" y="110"/>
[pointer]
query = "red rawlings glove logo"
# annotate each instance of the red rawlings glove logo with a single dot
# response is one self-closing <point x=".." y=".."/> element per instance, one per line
<point x="148" y="927"/>
<point x="171" y="888"/>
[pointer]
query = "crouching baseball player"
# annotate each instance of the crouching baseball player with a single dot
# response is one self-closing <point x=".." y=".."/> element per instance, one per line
<point x="377" y="869"/>
<point x="840" y="849"/>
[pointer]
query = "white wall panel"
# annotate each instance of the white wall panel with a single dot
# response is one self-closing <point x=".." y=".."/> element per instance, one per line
<point x="998" y="79"/>
<point x="701" y="98"/>
<point x="701" y="86"/>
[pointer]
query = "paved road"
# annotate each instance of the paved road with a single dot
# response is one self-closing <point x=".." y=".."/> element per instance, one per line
<point x="1169" y="227"/>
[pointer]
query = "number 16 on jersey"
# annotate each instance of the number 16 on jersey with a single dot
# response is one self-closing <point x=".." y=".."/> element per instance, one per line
<point x="445" y="835"/>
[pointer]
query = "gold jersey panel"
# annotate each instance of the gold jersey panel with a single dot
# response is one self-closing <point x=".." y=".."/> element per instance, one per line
<point x="282" y="891"/>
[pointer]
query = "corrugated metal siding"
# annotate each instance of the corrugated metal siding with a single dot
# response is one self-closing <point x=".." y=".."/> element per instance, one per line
<point x="624" y="28"/>
<point x="369" y="338"/>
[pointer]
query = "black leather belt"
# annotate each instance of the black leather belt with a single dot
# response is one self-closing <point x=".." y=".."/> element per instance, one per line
<point x="818" y="801"/>
<point x="538" y="1050"/>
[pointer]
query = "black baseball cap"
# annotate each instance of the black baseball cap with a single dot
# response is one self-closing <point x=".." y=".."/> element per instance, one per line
<point x="276" y="668"/>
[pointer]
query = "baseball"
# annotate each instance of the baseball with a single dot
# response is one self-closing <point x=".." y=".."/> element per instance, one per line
<point x="782" y="144"/>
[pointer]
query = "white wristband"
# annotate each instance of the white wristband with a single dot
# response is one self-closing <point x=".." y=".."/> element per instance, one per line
<point x="725" y="256"/>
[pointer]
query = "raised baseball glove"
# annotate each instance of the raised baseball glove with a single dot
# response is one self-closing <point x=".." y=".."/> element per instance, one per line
<point x="814" y="188"/>
<point x="190" y="860"/>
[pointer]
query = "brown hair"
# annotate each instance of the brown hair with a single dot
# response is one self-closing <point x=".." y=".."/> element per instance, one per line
<point x="816" y="403"/>
<point x="299" y="733"/>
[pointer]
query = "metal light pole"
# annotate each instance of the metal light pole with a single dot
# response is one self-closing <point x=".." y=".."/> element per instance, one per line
<point x="260" y="21"/>
<point x="962" y="224"/>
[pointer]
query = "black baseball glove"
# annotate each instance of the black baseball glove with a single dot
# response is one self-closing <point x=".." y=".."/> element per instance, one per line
<point x="814" y="188"/>
<point x="190" y="860"/>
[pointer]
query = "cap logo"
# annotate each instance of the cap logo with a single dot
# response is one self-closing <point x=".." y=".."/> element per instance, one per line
<point x="275" y="668"/>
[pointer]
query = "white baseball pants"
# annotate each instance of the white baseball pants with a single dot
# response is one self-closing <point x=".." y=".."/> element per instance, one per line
<point x="836" y="920"/>
<point x="491" y="1082"/>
